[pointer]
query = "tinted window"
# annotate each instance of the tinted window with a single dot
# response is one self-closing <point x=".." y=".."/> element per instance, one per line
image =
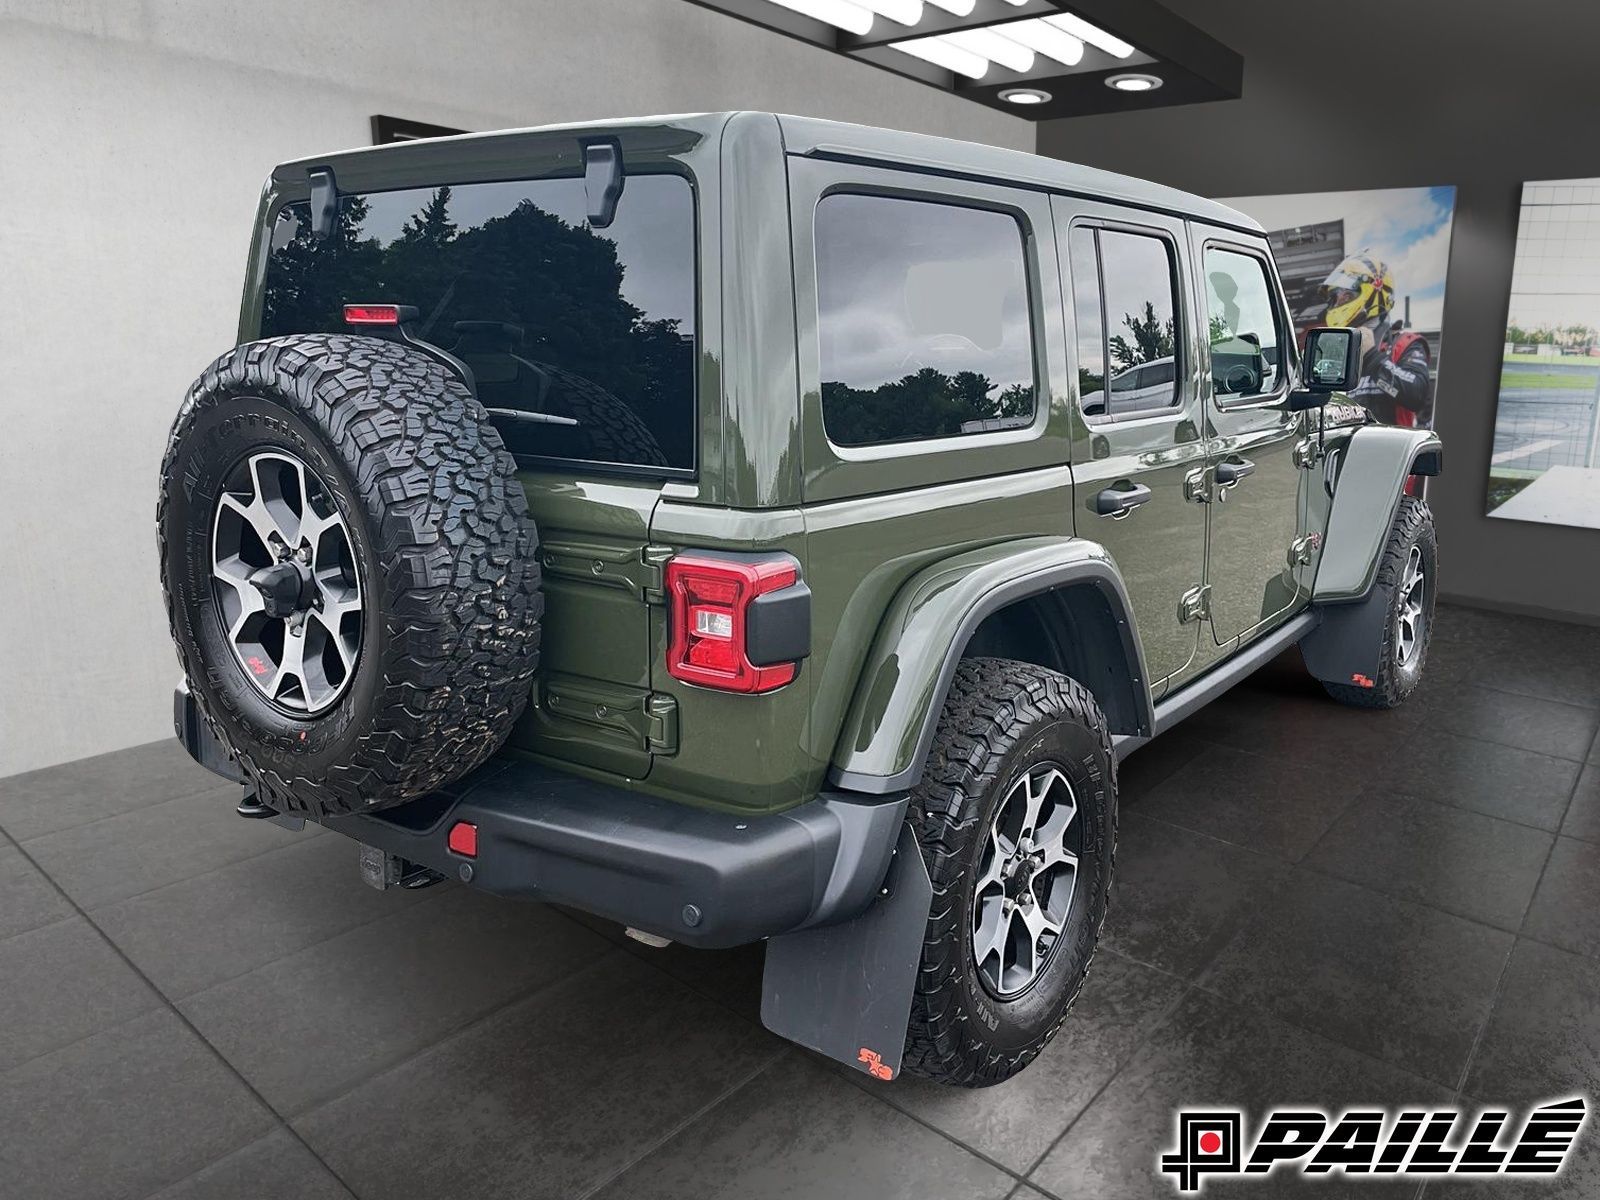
<point x="1126" y="302"/>
<point x="1246" y="346"/>
<point x="593" y="327"/>
<point x="922" y="314"/>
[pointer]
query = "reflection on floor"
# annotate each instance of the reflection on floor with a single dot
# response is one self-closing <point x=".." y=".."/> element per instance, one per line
<point x="1313" y="905"/>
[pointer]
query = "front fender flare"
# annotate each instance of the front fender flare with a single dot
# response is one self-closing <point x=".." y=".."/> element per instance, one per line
<point x="1378" y="459"/>
<point x="907" y="674"/>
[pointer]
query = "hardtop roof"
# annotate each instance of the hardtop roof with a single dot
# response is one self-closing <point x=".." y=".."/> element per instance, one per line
<point x="841" y="139"/>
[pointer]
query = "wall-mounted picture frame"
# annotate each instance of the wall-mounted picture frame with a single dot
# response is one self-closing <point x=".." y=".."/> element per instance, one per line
<point x="1544" y="465"/>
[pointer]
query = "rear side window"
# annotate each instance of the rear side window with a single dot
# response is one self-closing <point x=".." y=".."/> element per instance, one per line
<point x="923" y="317"/>
<point x="1125" y="298"/>
<point x="1246" y="338"/>
<point x="582" y="340"/>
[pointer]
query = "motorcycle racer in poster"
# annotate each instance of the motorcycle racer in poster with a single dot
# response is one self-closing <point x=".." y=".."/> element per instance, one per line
<point x="1396" y="384"/>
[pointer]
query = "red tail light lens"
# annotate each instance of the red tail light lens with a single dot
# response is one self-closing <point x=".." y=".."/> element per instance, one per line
<point x="708" y="610"/>
<point x="372" y="314"/>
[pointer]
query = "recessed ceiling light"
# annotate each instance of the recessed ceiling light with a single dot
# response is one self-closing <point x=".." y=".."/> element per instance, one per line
<point x="1134" y="83"/>
<point x="1024" y="96"/>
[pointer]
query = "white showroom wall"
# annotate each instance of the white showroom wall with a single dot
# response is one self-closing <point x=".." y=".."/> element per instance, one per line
<point x="135" y="138"/>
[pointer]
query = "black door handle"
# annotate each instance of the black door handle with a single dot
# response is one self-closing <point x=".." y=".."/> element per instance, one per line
<point x="1116" y="502"/>
<point x="1229" y="473"/>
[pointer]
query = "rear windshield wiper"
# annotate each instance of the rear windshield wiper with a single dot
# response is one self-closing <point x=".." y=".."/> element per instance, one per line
<point x="531" y="418"/>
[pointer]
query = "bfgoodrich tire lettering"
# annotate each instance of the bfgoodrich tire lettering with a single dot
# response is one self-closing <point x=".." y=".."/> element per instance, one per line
<point x="441" y="541"/>
<point x="1002" y="720"/>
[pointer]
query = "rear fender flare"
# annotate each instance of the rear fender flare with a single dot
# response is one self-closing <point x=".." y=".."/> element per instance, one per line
<point x="907" y="674"/>
<point x="1377" y="461"/>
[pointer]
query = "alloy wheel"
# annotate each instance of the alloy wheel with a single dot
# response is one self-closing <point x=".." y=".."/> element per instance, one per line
<point x="1027" y="880"/>
<point x="1413" y="595"/>
<point x="285" y="582"/>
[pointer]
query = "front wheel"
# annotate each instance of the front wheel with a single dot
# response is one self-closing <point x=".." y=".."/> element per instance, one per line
<point x="1407" y="578"/>
<point x="1016" y="817"/>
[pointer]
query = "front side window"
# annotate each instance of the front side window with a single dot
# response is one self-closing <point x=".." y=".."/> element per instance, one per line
<point x="582" y="340"/>
<point x="1125" y="298"/>
<point x="1246" y="346"/>
<point x="923" y="319"/>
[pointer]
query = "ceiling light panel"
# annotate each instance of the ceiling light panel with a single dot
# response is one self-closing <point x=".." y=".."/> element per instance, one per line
<point x="1053" y="58"/>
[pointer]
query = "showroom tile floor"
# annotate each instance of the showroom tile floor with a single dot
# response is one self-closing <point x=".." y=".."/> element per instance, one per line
<point x="1313" y="904"/>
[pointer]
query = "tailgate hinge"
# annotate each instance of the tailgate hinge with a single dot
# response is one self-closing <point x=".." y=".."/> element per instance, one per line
<point x="655" y="561"/>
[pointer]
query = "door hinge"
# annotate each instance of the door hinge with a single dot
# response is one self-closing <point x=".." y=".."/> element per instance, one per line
<point x="1195" y="605"/>
<point x="1303" y="549"/>
<point x="1307" y="452"/>
<point x="1197" y="486"/>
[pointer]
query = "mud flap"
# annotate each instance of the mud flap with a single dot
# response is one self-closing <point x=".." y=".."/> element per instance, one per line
<point x="845" y="990"/>
<point x="1347" y="643"/>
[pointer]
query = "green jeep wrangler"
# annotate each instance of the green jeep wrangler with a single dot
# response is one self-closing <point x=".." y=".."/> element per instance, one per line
<point x="748" y="527"/>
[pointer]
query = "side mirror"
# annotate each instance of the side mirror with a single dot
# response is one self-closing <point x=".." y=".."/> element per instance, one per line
<point x="1333" y="360"/>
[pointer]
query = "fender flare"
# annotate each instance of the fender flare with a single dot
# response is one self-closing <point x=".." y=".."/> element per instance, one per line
<point x="1377" y="461"/>
<point x="901" y="689"/>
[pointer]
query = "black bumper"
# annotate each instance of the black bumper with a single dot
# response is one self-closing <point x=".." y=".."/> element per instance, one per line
<point x="696" y="876"/>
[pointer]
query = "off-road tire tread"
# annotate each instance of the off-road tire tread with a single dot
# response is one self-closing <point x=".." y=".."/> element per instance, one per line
<point x="1413" y="522"/>
<point x="991" y="704"/>
<point x="613" y="431"/>
<point x="457" y="549"/>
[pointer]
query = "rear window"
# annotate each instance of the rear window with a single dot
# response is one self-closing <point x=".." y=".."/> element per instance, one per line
<point x="593" y="329"/>
<point x="922" y="314"/>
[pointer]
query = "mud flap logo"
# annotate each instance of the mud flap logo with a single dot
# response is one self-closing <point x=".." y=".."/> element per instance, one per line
<point x="873" y="1061"/>
<point x="1374" y="1141"/>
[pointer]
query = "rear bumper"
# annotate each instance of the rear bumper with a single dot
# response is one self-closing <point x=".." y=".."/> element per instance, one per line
<point x="696" y="876"/>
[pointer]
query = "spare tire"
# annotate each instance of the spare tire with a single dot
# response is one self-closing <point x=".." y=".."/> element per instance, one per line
<point x="350" y="570"/>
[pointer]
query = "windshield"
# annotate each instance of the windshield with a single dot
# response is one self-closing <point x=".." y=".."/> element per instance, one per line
<point x="582" y="340"/>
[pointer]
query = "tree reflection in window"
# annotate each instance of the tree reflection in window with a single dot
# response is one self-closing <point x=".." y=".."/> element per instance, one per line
<point x="552" y="317"/>
<point x="923" y="322"/>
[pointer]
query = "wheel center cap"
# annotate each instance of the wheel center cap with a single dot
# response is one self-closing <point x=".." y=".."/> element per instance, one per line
<point x="282" y="587"/>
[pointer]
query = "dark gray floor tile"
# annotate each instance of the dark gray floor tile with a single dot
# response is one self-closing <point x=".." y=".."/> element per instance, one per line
<point x="1216" y="1051"/>
<point x="27" y="899"/>
<point x="801" y="1130"/>
<point x="1566" y="911"/>
<point x="1543" y="1041"/>
<point x="1462" y="862"/>
<point x="198" y="932"/>
<point x="546" y="1098"/>
<point x="1500" y="781"/>
<point x="1404" y="983"/>
<point x="1525" y="722"/>
<point x="121" y="1114"/>
<point x="278" y="1167"/>
<point x="1563" y="665"/>
<point x="309" y="1026"/>
<point x="40" y="802"/>
<point x="1148" y="767"/>
<point x="1016" y="1121"/>
<point x="62" y="983"/>
<point x="1177" y="895"/>
<point x="1583" y="818"/>
<point x="1267" y="803"/>
<point x="105" y="861"/>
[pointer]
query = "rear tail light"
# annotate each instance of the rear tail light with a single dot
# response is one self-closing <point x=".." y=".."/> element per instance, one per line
<point x="723" y="635"/>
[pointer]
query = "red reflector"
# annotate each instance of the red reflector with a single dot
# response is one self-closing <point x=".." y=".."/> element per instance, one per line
<point x="709" y="601"/>
<point x="372" y="314"/>
<point x="464" y="839"/>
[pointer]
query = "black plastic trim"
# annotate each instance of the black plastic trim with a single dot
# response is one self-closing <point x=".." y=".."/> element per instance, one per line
<point x="702" y="877"/>
<point x="778" y="626"/>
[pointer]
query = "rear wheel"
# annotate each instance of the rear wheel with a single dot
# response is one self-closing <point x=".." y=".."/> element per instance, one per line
<point x="1406" y="578"/>
<point x="350" y="570"/>
<point x="1016" y="816"/>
